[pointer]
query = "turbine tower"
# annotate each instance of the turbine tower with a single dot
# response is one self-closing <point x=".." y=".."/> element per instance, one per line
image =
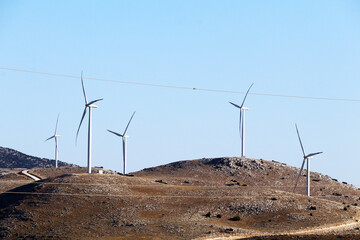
<point x="124" y="137"/>
<point x="88" y="105"/>
<point x="56" y="136"/>
<point x="242" y="122"/>
<point x="307" y="159"/>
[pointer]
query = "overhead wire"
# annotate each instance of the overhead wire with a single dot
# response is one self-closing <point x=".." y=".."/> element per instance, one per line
<point x="181" y="87"/>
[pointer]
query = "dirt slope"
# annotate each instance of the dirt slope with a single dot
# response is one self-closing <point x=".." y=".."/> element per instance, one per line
<point x="204" y="198"/>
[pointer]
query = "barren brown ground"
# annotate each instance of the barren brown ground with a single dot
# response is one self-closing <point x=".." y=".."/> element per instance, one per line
<point x="182" y="200"/>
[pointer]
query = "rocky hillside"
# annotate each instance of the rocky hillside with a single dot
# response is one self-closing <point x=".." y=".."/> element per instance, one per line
<point x="236" y="198"/>
<point x="10" y="158"/>
<point x="253" y="173"/>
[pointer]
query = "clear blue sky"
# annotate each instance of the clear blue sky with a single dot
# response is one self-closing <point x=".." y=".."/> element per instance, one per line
<point x="307" y="48"/>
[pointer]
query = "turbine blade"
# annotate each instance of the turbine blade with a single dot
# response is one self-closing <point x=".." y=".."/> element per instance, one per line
<point x="246" y="95"/>
<point x="302" y="166"/>
<point x="302" y="148"/>
<point x="83" y="88"/>
<point x="50" y="138"/>
<point x="82" y="118"/>
<point x="313" y="154"/>
<point x="117" y="134"/>
<point x="235" y="105"/>
<point x="129" y="123"/>
<point x="94" y="101"/>
<point x="57" y="120"/>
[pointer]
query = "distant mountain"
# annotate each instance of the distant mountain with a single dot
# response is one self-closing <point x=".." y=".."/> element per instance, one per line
<point x="10" y="158"/>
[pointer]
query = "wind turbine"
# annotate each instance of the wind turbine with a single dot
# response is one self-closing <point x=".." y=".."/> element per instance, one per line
<point x="88" y="105"/>
<point x="56" y="136"/>
<point x="307" y="159"/>
<point x="242" y="121"/>
<point x="124" y="137"/>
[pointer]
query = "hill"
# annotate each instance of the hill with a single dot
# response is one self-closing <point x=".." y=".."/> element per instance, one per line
<point x="206" y="199"/>
<point x="10" y="158"/>
<point x="253" y="173"/>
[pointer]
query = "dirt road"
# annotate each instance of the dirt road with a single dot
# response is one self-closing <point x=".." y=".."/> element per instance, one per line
<point x="26" y="173"/>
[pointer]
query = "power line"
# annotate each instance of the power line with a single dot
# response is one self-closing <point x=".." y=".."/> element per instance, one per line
<point x="181" y="87"/>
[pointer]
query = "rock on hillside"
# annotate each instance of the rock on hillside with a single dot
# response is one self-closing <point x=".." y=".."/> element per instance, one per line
<point x="10" y="158"/>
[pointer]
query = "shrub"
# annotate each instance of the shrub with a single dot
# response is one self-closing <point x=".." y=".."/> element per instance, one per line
<point x="218" y="215"/>
<point x="229" y="184"/>
<point x="161" y="181"/>
<point x="208" y="215"/>
<point x="236" y="218"/>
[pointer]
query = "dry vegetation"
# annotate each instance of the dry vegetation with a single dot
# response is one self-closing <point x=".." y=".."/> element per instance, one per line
<point x="206" y="198"/>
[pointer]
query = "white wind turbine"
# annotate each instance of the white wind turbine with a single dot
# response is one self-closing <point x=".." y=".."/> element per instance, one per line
<point x="56" y="136"/>
<point x="242" y="122"/>
<point x="307" y="159"/>
<point x="124" y="137"/>
<point x="89" y="105"/>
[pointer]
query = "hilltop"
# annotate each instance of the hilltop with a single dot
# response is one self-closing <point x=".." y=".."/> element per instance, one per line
<point x="204" y="198"/>
<point x="10" y="158"/>
<point x="255" y="173"/>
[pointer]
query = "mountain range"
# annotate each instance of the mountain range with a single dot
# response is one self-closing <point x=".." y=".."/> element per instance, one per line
<point x="10" y="158"/>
